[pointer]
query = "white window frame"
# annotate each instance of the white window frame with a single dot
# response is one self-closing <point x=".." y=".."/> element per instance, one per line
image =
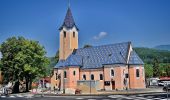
<point x="91" y="77"/>
<point x="83" y="77"/>
<point x="136" y="72"/>
<point x="111" y="72"/>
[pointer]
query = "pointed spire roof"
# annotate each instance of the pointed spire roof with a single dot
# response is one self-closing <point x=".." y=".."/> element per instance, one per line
<point x="68" y="21"/>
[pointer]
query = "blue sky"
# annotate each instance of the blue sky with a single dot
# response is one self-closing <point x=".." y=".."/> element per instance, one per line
<point x="144" y="22"/>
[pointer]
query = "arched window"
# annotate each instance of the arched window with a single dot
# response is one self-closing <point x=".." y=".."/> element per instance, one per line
<point x="92" y="77"/>
<point x="74" y="73"/>
<point x="101" y="76"/>
<point x="84" y="77"/>
<point x="137" y="72"/>
<point x="65" y="74"/>
<point x="64" y="34"/>
<point x="73" y="34"/>
<point x="112" y="72"/>
<point x="56" y="76"/>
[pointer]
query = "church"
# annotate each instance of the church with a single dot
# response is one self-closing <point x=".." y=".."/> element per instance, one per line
<point x="106" y="67"/>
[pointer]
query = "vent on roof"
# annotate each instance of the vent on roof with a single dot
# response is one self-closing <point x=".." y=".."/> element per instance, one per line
<point x="110" y="55"/>
<point x="74" y="51"/>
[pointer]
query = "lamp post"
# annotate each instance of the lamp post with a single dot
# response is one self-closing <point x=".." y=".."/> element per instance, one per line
<point x="167" y="90"/>
<point x="42" y="88"/>
<point x="64" y="81"/>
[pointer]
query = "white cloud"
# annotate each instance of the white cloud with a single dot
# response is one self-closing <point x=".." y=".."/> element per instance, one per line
<point x="100" y="35"/>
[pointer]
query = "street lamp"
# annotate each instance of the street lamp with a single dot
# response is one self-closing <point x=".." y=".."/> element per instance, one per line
<point x="64" y="81"/>
<point x="42" y="87"/>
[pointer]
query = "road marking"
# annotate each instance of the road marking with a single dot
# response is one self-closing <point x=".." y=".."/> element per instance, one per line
<point x="120" y="97"/>
<point x="105" y="99"/>
<point x="150" y="97"/>
<point x="12" y="96"/>
<point x="156" y="99"/>
<point x="91" y="99"/>
<point x="20" y="96"/>
<point x="3" y="96"/>
<point x="79" y="98"/>
<point x="140" y="98"/>
<point x="114" y="96"/>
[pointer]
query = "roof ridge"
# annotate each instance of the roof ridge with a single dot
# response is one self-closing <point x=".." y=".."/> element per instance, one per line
<point x="129" y="42"/>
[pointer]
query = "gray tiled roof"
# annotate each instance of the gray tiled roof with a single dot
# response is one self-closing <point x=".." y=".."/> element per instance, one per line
<point x="59" y="64"/>
<point x="97" y="56"/>
<point x="135" y="59"/>
<point x="68" y="21"/>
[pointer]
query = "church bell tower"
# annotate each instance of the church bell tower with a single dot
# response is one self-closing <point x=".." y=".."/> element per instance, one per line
<point x="68" y="36"/>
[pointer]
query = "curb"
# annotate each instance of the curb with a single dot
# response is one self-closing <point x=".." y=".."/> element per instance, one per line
<point x="97" y="94"/>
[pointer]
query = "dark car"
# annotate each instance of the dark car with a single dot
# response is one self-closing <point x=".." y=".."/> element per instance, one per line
<point x="166" y="87"/>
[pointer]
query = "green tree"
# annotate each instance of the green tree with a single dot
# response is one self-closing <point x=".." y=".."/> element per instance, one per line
<point x="156" y="68"/>
<point x="57" y="56"/>
<point x="148" y="70"/>
<point x="167" y="70"/>
<point x="22" y="60"/>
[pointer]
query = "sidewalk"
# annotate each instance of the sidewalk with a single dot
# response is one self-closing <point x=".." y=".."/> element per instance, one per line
<point x="119" y="92"/>
<point x="134" y="91"/>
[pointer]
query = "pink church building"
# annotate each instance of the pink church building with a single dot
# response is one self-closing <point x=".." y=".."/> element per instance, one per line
<point x="109" y="67"/>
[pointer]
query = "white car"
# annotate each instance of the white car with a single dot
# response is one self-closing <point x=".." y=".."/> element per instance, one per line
<point x="161" y="84"/>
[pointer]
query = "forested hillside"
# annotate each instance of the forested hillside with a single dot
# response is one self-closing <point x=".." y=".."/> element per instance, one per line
<point x="157" y="62"/>
<point x="148" y="54"/>
<point x="163" y="47"/>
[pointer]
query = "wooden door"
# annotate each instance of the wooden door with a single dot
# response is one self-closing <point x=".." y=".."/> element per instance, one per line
<point x="113" y="85"/>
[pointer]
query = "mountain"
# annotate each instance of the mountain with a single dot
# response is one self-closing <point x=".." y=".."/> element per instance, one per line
<point x="163" y="47"/>
<point x="148" y="54"/>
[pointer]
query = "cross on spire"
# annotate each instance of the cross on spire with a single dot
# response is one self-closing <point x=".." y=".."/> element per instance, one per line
<point x="68" y="3"/>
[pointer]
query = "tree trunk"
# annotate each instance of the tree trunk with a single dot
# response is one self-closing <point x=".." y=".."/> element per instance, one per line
<point x="27" y="83"/>
<point x="30" y="84"/>
<point x="16" y="87"/>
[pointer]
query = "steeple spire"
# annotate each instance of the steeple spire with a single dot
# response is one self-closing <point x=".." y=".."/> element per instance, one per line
<point x="69" y="20"/>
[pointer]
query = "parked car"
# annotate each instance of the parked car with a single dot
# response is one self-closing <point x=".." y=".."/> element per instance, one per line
<point x="161" y="84"/>
<point x="166" y="87"/>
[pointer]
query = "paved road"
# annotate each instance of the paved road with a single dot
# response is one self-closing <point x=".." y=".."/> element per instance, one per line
<point x="161" y="96"/>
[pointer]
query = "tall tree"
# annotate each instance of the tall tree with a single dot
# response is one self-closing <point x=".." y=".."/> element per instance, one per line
<point x="57" y="56"/>
<point x="155" y="68"/>
<point x="148" y="70"/>
<point x="167" y="70"/>
<point x="22" y="60"/>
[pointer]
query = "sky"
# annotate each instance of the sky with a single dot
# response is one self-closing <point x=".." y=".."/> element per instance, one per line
<point x="146" y="23"/>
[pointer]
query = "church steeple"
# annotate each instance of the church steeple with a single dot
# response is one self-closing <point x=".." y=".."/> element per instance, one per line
<point x="68" y="36"/>
<point x="68" y="21"/>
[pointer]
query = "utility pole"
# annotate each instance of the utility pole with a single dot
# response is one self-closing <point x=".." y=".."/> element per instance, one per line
<point x="167" y="90"/>
<point x="42" y="88"/>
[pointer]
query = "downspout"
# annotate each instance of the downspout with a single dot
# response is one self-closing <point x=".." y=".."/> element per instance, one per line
<point x="103" y="79"/>
<point x="129" y="75"/>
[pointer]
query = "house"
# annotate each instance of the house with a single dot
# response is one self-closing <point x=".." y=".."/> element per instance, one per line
<point x="107" y="67"/>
